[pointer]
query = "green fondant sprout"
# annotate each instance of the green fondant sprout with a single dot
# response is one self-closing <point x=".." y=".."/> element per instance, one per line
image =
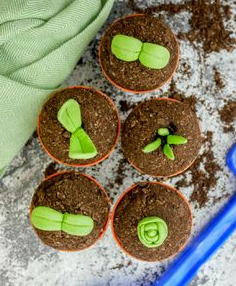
<point x="165" y="140"/>
<point x="81" y="146"/>
<point x="45" y="218"/>
<point x="130" y="49"/>
<point x="152" y="231"/>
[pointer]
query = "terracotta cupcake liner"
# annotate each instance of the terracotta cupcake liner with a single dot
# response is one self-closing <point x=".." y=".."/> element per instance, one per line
<point x="117" y="85"/>
<point x="118" y="202"/>
<point x="160" y="176"/>
<point x="98" y="160"/>
<point x="108" y="215"/>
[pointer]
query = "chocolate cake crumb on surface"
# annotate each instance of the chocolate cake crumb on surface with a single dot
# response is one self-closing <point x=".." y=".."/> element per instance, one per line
<point x="173" y="92"/>
<point x="207" y="22"/>
<point x="51" y="169"/>
<point x="228" y="116"/>
<point x="218" y="79"/>
<point x="76" y="194"/>
<point x="203" y="181"/>
<point x="150" y="199"/>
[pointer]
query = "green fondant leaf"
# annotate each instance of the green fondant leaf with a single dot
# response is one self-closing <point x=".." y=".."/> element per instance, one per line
<point x="126" y="48"/>
<point x="154" y="56"/>
<point x="79" y="225"/>
<point x="48" y="219"/>
<point x="45" y="218"/>
<point x="69" y="115"/>
<point x="81" y="146"/>
<point x="152" y="146"/>
<point x="163" y="131"/>
<point x="176" y="140"/>
<point x="168" y="152"/>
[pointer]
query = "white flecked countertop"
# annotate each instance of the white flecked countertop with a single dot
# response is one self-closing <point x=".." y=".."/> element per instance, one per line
<point x="25" y="261"/>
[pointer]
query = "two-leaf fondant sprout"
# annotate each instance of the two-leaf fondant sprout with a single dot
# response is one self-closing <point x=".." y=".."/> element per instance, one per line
<point x="166" y="140"/>
<point x="152" y="231"/>
<point x="130" y="49"/>
<point x="81" y="146"/>
<point x="45" y="218"/>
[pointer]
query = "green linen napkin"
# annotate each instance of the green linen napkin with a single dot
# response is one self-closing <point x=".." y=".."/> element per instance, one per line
<point x="40" y="43"/>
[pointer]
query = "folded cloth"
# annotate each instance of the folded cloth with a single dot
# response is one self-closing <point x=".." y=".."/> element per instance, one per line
<point x="40" y="43"/>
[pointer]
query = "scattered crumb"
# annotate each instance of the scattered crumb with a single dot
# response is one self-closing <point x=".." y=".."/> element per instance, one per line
<point x="125" y="105"/>
<point x="120" y="172"/>
<point x="118" y="179"/>
<point x="218" y="80"/>
<point x="228" y="116"/>
<point x="175" y="94"/>
<point x="216" y="200"/>
<point x="186" y="69"/>
<point x="203" y="181"/>
<point x="121" y="265"/>
<point x="34" y="135"/>
<point x="51" y="169"/>
<point x="206" y="22"/>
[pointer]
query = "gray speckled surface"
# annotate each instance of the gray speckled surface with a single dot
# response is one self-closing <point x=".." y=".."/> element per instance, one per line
<point x="25" y="261"/>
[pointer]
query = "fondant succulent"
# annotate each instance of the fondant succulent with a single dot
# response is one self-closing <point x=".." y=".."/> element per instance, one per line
<point x="152" y="231"/>
<point x="81" y="145"/>
<point x="46" y="218"/>
<point x="165" y="139"/>
<point x="130" y="49"/>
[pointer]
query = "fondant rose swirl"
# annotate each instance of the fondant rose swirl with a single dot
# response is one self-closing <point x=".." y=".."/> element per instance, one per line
<point x="152" y="231"/>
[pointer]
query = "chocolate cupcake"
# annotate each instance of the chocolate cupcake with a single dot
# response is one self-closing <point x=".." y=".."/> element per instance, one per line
<point x="161" y="137"/>
<point x="139" y="53"/>
<point x="151" y="221"/>
<point x="69" y="211"/>
<point x="79" y="126"/>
